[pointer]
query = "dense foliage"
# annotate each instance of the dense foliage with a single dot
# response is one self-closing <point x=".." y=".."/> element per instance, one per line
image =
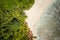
<point x="12" y="19"/>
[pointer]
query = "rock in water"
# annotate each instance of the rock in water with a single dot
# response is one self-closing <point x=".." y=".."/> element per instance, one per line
<point x="49" y="28"/>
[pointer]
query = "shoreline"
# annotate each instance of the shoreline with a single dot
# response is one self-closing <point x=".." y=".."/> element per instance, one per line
<point x="35" y="13"/>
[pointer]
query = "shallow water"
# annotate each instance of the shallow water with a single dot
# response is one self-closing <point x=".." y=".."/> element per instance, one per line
<point x="48" y="26"/>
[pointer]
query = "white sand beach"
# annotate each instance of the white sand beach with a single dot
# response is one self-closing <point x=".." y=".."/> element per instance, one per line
<point x="35" y="12"/>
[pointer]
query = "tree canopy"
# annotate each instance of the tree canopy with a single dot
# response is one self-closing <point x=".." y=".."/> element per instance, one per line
<point x="12" y="19"/>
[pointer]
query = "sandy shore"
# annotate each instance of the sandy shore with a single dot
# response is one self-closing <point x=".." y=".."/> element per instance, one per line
<point x="35" y="12"/>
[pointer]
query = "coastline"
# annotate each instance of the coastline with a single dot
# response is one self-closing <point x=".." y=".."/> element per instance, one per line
<point x="35" y="13"/>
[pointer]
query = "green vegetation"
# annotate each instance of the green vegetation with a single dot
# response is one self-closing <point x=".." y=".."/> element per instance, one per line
<point x="12" y="19"/>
